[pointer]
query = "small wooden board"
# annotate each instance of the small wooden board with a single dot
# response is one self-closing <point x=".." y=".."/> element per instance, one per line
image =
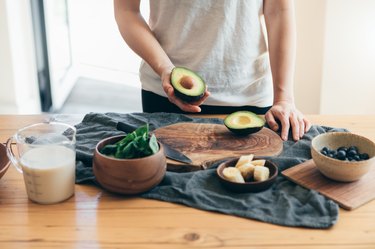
<point x="348" y="195"/>
<point x="207" y="143"/>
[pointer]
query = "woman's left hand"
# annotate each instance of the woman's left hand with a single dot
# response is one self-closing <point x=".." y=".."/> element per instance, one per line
<point x="289" y="117"/>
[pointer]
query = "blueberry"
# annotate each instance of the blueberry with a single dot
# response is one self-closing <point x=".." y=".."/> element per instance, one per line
<point x="352" y="153"/>
<point x="341" y="155"/>
<point x="343" y="148"/>
<point x="364" y="156"/>
<point x="334" y="153"/>
<point x="355" y="148"/>
<point x="325" y="149"/>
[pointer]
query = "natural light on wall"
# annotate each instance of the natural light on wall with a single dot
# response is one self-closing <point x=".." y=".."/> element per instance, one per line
<point x="348" y="85"/>
<point x="98" y="48"/>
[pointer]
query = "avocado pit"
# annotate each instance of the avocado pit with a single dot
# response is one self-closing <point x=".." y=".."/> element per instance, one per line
<point x="187" y="82"/>
<point x="188" y="85"/>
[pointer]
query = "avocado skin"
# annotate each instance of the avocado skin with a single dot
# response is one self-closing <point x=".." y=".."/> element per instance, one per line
<point x="185" y="97"/>
<point x="245" y="131"/>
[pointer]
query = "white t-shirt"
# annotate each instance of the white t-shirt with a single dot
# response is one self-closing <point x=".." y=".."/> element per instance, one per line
<point x="221" y="40"/>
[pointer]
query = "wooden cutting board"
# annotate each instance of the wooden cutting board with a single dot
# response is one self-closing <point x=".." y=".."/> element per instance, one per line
<point x="207" y="143"/>
<point x="347" y="195"/>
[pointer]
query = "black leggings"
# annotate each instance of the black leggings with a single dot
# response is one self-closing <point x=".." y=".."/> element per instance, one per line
<point x="152" y="102"/>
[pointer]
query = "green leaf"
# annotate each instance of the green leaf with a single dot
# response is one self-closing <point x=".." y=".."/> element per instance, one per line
<point x="135" y="145"/>
<point x="109" y="149"/>
<point x="128" y="152"/>
<point x="142" y="130"/>
<point x="153" y="144"/>
<point x="127" y="139"/>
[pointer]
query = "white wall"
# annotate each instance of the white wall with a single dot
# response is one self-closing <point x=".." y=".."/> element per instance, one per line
<point x="18" y="76"/>
<point x="7" y="93"/>
<point x="348" y="85"/>
<point x="335" y="71"/>
<point x="98" y="48"/>
<point x="310" y="21"/>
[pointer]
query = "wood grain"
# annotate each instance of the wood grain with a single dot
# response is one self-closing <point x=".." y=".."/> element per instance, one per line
<point x="206" y="143"/>
<point x="348" y="195"/>
<point x="94" y="218"/>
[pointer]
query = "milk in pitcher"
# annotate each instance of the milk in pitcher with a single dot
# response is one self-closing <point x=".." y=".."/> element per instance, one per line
<point x="49" y="173"/>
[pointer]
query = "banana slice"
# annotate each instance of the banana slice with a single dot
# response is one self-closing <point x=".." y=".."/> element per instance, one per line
<point x="261" y="173"/>
<point x="247" y="171"/>
<point x="233" y="174"/>
<point x="259" y="162"/>
<point x="244" y="159"/>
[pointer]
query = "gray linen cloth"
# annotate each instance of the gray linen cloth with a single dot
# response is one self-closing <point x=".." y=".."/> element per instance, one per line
<point x="285" y="203"/>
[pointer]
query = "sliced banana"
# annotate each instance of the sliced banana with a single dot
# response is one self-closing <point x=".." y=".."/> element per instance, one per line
<point x="247" y="171"/>
<point x="259" y="162"/>
<point x="261" y="173"/>
<point x="233" y="174"/>
<point x="244" y="159"/>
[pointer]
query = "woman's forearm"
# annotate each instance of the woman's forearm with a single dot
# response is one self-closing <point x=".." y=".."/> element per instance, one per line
<point x="281" y="31"/>
<point x="139" y="37"/>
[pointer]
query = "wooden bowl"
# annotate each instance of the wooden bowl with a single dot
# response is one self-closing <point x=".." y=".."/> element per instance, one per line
<point x="247" y="186"/>
<point x="128" y="176"/>
<point x="4" y="160"/>
<point x="343" y="171"/>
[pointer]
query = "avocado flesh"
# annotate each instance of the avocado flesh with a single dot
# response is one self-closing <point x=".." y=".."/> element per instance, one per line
<point x="187" y="85"/>
<point x="244" y="122"/>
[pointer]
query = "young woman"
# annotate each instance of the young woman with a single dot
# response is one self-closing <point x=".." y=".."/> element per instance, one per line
<point x="223" y="41"/>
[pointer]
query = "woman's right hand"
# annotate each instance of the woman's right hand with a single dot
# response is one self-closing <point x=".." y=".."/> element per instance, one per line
<point x="168" y="89"/>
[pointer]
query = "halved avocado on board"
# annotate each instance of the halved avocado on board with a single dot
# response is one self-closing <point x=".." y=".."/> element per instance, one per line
<point x="244" y="122"/>
<point x="188" y="85"/>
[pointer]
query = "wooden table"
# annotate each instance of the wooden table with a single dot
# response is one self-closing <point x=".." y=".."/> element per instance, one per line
<point x="94" y="218"/>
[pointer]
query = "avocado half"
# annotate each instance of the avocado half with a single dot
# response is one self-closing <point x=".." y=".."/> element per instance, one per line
<point x="244" y="122"/>
<point x="188" y="85"/>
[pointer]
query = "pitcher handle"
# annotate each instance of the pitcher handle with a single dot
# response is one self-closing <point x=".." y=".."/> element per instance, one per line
<point x="11" y="155"/>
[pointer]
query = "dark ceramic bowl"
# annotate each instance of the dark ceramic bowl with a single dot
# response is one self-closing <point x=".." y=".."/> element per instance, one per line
<point x="4" y="160"/>
<point x="128" y="176"/>
<point x="247" y="186"/>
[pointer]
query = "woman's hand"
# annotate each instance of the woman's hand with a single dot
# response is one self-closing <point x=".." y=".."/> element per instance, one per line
<point x="281" y="32"/>
<point x="168" y="89"/>
<point x="289" y="117"/>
